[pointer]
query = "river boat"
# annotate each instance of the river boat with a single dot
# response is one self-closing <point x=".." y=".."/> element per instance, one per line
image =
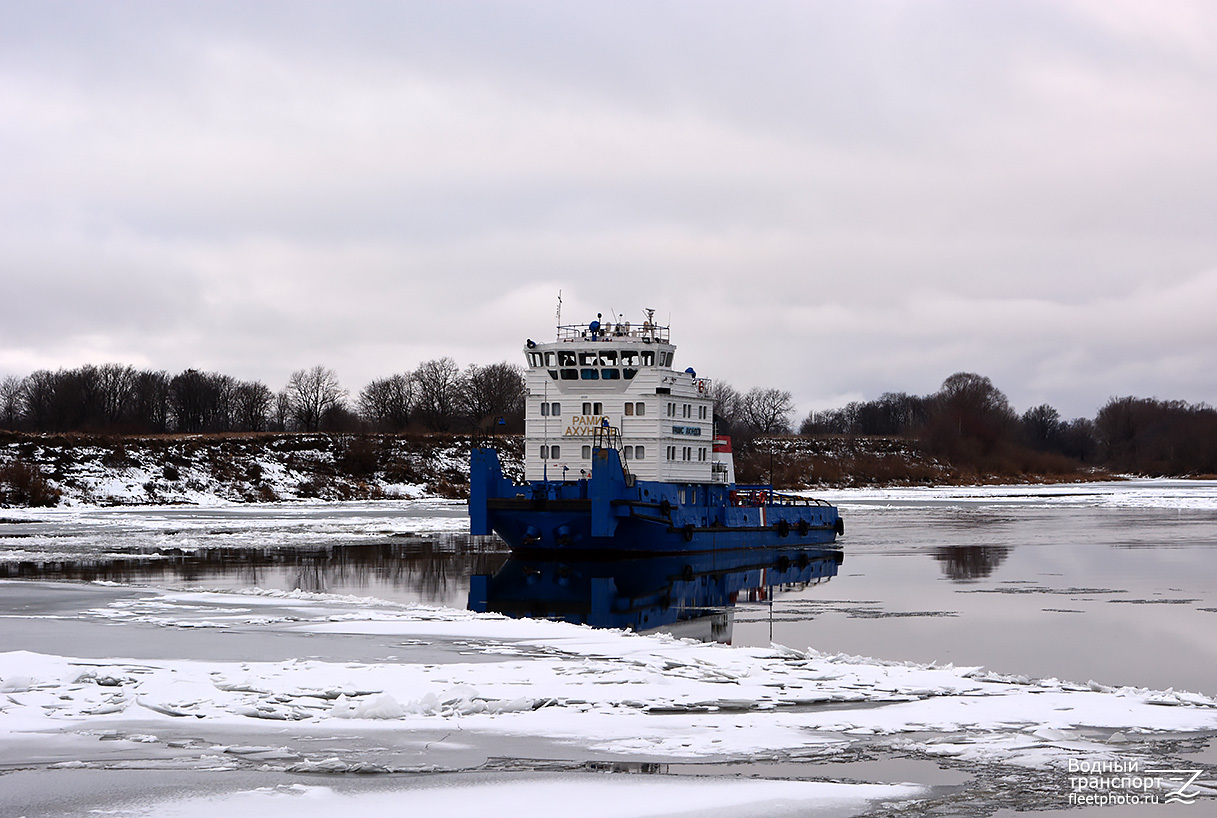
<point x="621" y="455"/>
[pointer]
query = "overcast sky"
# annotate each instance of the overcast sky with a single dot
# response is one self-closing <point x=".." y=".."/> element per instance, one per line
<point x="835" y="198"/>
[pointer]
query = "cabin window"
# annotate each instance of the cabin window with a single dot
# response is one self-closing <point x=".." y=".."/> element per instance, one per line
<point x="640" y="409"/>
<point x="551" y="358"/>
<point x="683" y="499"/>
<point x="597" y="408"/>
<point x="686" y="453"/>
<point x="629" y="357"/>
<point x="588" y="359"/>
<point x="534" y="359"/>
<point x="570" y="374"/>
<point x="671" y="410"/>
<point x="648" y="357"/>
<point x="665" y="359"/>
<point x="610" y="374"/>
<point x="587" y="452"/>
<point x="688" y="411"/>
<point x="555" y="408"/>
<point x="671" y="453"/>
<point x="627" y="452"/>
<point x="629" y="409"/>
<point x="701" y="455"/>
<point x="587" y="408"/>
<point x="566" y="357"/>
<point x="702" y="411"/>
<point x="608" y="357"/>
<point x="551" y="452"/>
<point x="640" y="452"/>
<point x="544" y="410"/>
<point x="589" y="374"/>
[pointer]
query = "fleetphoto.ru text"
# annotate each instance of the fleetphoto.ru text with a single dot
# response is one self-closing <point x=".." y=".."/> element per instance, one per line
<point x="1110" y="783"/>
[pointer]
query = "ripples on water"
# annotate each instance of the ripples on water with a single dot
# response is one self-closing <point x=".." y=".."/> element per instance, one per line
<point x="1113" y="582"/>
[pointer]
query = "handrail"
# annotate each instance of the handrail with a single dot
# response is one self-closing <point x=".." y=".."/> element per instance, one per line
<point x="648" y="332"/>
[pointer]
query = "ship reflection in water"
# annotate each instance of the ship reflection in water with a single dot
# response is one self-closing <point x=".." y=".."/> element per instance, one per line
<point x="689" y="595"/>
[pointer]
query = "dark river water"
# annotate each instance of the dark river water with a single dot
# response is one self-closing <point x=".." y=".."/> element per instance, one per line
<point x="1115" y="583"/>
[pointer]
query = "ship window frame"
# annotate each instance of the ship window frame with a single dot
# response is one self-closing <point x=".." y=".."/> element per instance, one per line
<point x="640" y="409"/>
<point x="589" y="357"/>
<point x="587" y="452"/>
<point x="629" y="409"/>
<point x="551" y="358"/>
<point x="610" y="374"/>
<point x="628" y="357"/>
<point x="608" y="357"/>
<point x="647" y="357"/>
<point x="566" y="357"/>
<point x="589" y="374"/>
<point x="570" y="374"/>
<point x="627" y="452"/>
<point x="640" y="452"/>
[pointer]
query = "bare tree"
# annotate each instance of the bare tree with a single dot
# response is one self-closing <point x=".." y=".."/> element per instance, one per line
<point x="387" y="402"/>
<point x="312" y="394"/>
<point x="767" y="411"/>
<point x="439" y="389"/>
<point x="252" y="402"/>
<point x="116" y="383"/>
<point x="494" y="391"/>
<point x="12" y="398"/>
<point x="726" y="404"/>
<point x="150" y="401"/>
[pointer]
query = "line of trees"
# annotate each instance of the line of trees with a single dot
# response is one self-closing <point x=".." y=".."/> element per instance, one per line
<point x="968" y="421"/>
<point x="120" y="399"/>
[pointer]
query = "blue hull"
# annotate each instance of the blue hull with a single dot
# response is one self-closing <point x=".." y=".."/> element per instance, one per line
<point x="610" y="513"/>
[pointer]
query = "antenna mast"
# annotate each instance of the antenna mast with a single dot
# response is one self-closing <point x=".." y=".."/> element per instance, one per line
<point x="559" y="308"/>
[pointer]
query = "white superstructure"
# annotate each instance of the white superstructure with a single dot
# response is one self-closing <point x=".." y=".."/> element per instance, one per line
<point x="620" y="374"/>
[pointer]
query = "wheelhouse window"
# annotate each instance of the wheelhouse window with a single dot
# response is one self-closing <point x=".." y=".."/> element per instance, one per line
<point x="610" y="374"/>
<point x="570" y="374"/>
<point x="647" y="356"/>
<point x="566" y="357"/>
<point x="589" y="374"/>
